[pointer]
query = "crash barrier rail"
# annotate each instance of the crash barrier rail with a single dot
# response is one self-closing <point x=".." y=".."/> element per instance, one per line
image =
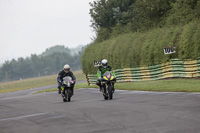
<point x="173" y="69"/>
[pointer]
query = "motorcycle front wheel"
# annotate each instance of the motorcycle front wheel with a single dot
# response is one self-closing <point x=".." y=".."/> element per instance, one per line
<point x="110" y="92"/>
<point x="105" y="94"/>
<point x="68" y="95"/>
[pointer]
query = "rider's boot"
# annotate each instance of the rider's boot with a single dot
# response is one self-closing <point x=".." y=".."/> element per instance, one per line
<point x="59" y="90"/>
<point x="72" y="91"/>
<point x="113" y="89"/>
<point x="100" y="88"/>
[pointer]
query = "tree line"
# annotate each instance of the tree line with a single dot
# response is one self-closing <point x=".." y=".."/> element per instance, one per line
<point x="111" y="18"/>
<point x="48" y="63"/>
<point x="133" y="33"/>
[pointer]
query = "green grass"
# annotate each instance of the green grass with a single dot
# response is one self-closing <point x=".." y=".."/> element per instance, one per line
<point x="170" y="85"/>
<point x="34" y="82"/>
<point x="77" y="86"/>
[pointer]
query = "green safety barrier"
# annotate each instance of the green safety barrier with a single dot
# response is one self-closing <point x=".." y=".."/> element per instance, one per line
<point x="175" y="68"/>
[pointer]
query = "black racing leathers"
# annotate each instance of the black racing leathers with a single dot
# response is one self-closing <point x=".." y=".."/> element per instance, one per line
<point x="63" y="74"/>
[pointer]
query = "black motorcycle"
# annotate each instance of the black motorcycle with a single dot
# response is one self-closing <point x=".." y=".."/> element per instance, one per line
<point x="107" y="83"/>
<point x="66" y="88"/>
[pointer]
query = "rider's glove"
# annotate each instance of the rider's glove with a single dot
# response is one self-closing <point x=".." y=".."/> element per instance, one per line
<point x="59" y="81"/>
<point x="100" y="79"/>
<point x="74" y="81"/>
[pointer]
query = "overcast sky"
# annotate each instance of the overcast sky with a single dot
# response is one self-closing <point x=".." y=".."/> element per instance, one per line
<point x="30" y="26"/>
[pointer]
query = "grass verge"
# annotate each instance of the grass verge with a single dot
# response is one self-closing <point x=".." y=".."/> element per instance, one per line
<point x="35" y="82"/>
<point x="169" y="85"/>
<point x="77" y="86"/>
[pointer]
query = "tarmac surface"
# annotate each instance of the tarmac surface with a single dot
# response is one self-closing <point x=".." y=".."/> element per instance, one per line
<point x="88" y="112"/>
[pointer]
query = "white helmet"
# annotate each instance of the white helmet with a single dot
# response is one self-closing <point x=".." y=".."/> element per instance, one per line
<point x="66" y="68"/>
<point x="104" y="63"/>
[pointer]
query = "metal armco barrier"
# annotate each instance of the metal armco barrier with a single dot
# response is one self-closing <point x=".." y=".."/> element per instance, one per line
<point x="174" y="69"/>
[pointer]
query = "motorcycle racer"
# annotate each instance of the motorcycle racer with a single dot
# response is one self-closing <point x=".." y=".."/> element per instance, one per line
<point x="101" y="70"/>
<point x="65" y="72"/>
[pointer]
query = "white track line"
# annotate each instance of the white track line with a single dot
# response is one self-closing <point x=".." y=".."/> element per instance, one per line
<point x="21" y="117"/>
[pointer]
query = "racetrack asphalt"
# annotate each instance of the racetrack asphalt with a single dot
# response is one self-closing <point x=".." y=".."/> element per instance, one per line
<point x="88" y="112"/>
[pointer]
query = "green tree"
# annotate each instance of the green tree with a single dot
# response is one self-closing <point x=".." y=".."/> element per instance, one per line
<point x="183" y="11"/>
